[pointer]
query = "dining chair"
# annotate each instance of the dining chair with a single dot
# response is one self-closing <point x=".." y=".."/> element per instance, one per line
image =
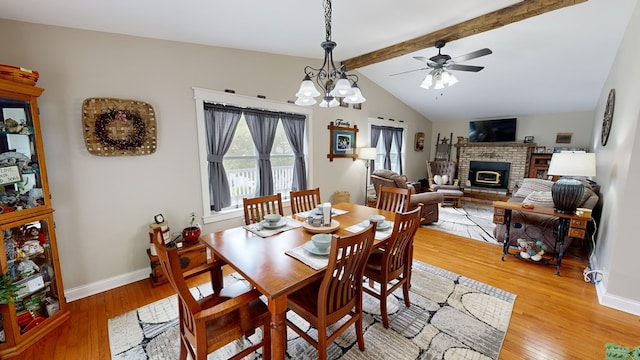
<point x="394" y="261"/>
<point x="304" y="200"/>
<point x="393" y="199"/>
<point x="256" y="208"/>
<point x="209" y="323"/>
<point x="338" y="294"/>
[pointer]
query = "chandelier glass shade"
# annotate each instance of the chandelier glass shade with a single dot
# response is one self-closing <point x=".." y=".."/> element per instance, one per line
<point x="333" y="81"/>
<point x="438" y="78"/>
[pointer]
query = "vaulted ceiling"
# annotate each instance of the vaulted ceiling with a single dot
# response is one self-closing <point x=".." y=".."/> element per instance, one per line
<point x="542" y="62"/>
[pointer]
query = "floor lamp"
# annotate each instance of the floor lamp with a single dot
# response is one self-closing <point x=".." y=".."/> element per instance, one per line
<point x="567" y="192"/>
<point x="366" y="154"/>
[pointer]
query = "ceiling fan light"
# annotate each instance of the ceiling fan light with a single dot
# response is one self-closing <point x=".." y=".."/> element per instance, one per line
<point x="439" y="85"/>
<point x="307" y="88"/>
<point x="427" y="82"/>
<point x="305" y="101"/>
<point x="452" y="80"/>
<point x="445" y="77"/>
<point x="356" y="98"/>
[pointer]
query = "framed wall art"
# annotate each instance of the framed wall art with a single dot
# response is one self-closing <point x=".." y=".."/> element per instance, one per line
<point x="563" y="138"/>
<point x="342" y="142"/>
<point x="419" y="144"/>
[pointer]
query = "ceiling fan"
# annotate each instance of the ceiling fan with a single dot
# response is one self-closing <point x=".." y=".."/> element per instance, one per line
<point x="441" y="63"/>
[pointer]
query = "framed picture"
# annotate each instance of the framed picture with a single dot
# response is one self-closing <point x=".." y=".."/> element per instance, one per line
<point x="563" y="138"/>
<point x="342" y="103"/>
<point x="342" y="142"/>
<point x="540" y="150"/>
<point x="419" y="144"/>
<point x="357" y="106"/>
<point x="528" y="139"/>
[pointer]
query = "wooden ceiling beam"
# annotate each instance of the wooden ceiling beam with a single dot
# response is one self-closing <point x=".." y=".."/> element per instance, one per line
<point x="493" y="20"/>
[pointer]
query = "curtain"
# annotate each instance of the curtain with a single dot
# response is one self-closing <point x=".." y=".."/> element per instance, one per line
<point x="262" y="127"/>
<point x="387" y="138"/>
<point x="294" y="129"/>
<point x="221" y="124"/>
<point x="397" y="134"/>
<point x="375" y="137"/>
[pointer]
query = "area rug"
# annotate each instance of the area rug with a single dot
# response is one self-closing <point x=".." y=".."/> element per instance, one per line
<point x="451" y="317"/>
<point x="473" y="221"/>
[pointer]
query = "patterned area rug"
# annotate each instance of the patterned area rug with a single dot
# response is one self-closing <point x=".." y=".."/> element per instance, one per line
<point x="451" y="317"/>
<point x="471" y="220"/>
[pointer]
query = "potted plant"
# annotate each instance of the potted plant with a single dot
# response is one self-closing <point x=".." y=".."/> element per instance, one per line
<point x="191" y="233"/>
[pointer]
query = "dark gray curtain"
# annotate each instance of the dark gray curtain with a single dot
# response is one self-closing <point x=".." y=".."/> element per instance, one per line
<point x="294" y="129"/>
<point x="221" y="124"/>
<point x="375" y="137"/>
<point x="397" y="134"/>
<point x="262" y="127"/>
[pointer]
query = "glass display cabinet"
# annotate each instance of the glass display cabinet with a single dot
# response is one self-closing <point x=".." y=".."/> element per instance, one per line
<point x="28" y="255"/>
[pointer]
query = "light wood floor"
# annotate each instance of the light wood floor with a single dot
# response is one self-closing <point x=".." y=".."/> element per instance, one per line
<point x="553" y="317"/>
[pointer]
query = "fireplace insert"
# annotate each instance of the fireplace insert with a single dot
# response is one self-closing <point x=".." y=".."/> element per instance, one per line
<point x="489" y="174"/>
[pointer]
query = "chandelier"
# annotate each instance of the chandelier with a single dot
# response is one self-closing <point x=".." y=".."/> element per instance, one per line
<point x="333" y="81"/>
<point x="440" y="78"/>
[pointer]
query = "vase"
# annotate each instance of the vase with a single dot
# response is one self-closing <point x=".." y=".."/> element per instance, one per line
<point x="191" y="234"/>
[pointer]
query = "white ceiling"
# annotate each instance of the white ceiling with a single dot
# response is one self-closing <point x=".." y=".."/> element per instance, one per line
<point x="555" y="62"/>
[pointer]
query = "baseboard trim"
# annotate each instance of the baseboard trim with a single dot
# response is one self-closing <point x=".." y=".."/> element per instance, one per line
<point x="104" y="285"/>
<point x="609" y="300"/>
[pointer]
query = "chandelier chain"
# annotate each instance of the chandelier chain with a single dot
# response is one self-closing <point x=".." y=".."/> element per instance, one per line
<point x="327" y="19"/>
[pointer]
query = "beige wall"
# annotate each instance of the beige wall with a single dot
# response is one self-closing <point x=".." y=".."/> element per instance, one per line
<point x="618" y="171"/>
<point x="542" y="127"/>
<point x="104" y="204"/>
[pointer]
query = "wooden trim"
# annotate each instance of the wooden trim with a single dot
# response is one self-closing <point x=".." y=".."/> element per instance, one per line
<point x="493" y="20"/>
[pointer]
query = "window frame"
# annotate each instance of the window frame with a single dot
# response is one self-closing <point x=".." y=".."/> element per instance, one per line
<point x="205" y="95"/>
<point x="389" y="123"/>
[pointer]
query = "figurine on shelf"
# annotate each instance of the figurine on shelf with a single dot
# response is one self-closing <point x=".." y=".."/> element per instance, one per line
<point x="33" y="233"/>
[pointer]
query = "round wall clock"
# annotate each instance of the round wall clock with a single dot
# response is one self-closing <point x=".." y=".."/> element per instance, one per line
<point x="158" y="219"/>
<point x="608" y="117"/>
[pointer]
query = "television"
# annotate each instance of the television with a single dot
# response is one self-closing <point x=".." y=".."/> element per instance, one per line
<point x="498" y="130"/>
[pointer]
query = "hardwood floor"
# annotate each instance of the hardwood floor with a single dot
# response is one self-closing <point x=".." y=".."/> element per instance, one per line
<point x="553" y="317"/>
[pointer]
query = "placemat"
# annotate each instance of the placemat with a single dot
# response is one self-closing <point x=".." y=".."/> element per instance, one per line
<point x="380" y="234"/>
<point x="264" y="232"/>
<point x="316" y="262"/>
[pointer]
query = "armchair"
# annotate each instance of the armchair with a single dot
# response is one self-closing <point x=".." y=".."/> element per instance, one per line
<point x="429" y="199"/>
<point x="445" y="172"/>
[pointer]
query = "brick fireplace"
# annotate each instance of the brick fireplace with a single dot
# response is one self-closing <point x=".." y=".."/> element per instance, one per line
<point x="497" y="167"/>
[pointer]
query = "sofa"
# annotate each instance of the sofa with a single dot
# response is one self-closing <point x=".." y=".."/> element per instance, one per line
<point x="429" y="199"/>
<point x="528" y="226"/>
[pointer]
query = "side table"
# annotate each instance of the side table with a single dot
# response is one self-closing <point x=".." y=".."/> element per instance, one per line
<point x="191" y="256"/>
<point x="568" y="225"/>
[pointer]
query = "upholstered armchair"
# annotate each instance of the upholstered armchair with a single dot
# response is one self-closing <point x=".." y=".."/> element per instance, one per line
<point x="429" y="199"/>
<point x="442" y="175"/>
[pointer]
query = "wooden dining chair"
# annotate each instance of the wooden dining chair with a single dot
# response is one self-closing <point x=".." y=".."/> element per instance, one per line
<point x="338" y="294"/>
<point x="304" y="200"/>
<point x="209" y="323"/>
<point x="394" y="261"/>
<point x="393" y="199"/>
<point x="256" y="208"/>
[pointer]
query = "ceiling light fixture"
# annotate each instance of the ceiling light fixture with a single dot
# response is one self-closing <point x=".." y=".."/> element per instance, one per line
<point x="333" y="81"/>
<point x="440" y="78"/>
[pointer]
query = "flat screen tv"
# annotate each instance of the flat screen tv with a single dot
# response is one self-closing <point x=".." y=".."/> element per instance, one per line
<point x="499" y="130"/>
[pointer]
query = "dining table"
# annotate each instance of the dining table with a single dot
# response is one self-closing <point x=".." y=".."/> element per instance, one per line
<point x="266" y="263"/>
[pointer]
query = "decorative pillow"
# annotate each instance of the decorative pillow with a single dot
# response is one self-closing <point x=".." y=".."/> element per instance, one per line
<point x="438" y="180"/>
<point x="539" y="198"/>
<point x="445" y="179"/>
<point x="530" y="185"/>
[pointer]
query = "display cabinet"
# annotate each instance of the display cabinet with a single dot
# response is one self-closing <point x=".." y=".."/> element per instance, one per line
<point x="29" y="252"/>
<point x="539" y="165"/>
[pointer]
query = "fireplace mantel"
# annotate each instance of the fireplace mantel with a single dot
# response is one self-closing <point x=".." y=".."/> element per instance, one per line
<point x="518" y="154"/>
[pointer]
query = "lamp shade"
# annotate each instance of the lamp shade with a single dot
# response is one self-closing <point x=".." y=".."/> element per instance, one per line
<point x="368" y="153"/>
<point x="573" y="163"/>
<point x="567" y="192"/>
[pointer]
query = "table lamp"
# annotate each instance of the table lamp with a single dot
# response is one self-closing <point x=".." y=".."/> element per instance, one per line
<point x="567" y="192"/>
<point x="367" y="154"/>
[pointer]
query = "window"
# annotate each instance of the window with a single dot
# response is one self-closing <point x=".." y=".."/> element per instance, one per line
<point x="232" y="130"/>
<point x="389" y="142"/>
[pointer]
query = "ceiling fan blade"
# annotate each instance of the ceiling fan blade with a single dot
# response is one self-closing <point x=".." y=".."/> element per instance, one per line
<point x="405" y="72"/>
<point x="472" y="55"/>
<point x="464" y="67"/>
<point x="421" y="58"/>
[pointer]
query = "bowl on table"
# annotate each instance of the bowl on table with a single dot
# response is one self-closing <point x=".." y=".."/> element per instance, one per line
<point x="379" y="219"/>
<point x="272" y="219"/>
<point x="321" y="241"/>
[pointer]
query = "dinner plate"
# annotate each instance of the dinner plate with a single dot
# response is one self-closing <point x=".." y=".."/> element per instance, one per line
<point x="314" y="250"/>
<point x="279" y="224"/>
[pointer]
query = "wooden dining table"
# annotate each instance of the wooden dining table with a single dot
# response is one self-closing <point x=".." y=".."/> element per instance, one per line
<point x="264" y="263"/>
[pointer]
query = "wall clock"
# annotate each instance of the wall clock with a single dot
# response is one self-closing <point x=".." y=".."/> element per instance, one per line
<point x="608" y="117"/>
